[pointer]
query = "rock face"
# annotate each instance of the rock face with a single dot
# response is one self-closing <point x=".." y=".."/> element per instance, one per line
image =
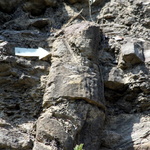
<point x="93" y="88"/>
<point x="8" y="6"/>
<point x="74" y="77"/>
<point x="131" y="53"/>
<point x="75" y="68"/>
<point x="59" y="127"/>
<point x="36" y="7"/>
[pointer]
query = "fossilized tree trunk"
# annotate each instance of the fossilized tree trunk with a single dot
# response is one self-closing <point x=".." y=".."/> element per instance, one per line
<point x="74" y="98"/>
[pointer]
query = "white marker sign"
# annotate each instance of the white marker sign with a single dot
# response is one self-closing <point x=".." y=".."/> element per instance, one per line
<point x="147" y="55"/>
<point x="31" y="52"/>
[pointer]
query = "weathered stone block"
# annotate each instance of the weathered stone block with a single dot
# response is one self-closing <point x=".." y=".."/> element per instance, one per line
<point x="131" y="53"/>
<point x="39" y="23"/>
<point x="68" y="123"/>
<point x="12" y="139"/>
<point x="74" y="71"/>
<point x="114" y="79"/>
<point x="49" y="128"/>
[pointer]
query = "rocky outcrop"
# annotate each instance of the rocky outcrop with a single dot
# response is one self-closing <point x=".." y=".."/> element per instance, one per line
<point x="74" y="66"/>
<point x="93" y="88"/>
<point x="73" y="82"/>
<point x="22" y="84"/>
<point x="36" y="7"/>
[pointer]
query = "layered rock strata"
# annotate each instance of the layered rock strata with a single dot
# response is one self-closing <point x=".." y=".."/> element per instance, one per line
<point x="58" y="102"/>
<point x="75" y="87"/>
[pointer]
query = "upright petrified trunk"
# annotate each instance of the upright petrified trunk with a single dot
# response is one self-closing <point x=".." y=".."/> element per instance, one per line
<point x="74" y="98"/>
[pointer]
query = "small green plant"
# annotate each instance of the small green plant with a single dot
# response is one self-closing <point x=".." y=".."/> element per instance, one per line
<point x="79" y="147"/>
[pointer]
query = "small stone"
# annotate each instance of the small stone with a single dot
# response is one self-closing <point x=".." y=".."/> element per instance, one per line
<point x="118" y="38"/>
<point x="51" y="3"/>
<point x="39" y="23"/>
<point x="131" y="53"/>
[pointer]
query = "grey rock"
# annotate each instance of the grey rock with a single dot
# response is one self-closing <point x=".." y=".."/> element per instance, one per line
<point x="39" y="23"/>
<point x="76" y="71"/>
<point x="129" y="21"/>
<point x="16" y="113"/>
<point x="110" y="139"/>
<point x="131" y="53"/>
<point x="38" y="145"/>
<point x="123" y="125"/>
<point x="11" y="139"/>
<point x="6" y="48"/>
<point x="59" y="124"/>
<point x="114" y="79"/>
<point x="79" y="76"/>
<point x="49" y="129"/>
